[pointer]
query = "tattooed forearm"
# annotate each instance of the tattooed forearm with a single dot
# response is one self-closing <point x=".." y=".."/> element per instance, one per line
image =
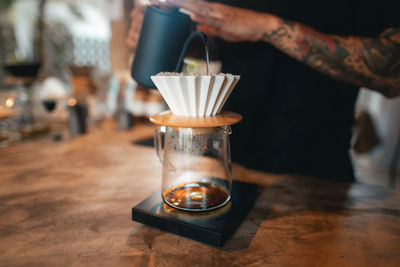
<point x="374" y="63"/>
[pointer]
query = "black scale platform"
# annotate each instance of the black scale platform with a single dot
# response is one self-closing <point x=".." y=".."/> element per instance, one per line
<point x="213" y="227"/>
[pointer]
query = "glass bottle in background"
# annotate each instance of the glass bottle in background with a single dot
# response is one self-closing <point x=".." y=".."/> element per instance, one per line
<point x="78" y="114"/>
<point x="53" y="97"/>
<point x="82" y="90"/>
<point x="10" y="114"/>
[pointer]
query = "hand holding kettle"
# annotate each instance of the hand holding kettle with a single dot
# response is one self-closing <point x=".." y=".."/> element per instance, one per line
<point x="137" y="15"/>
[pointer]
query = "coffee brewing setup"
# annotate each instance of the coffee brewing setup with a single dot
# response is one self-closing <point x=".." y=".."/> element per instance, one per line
<point x="198" y="198"/>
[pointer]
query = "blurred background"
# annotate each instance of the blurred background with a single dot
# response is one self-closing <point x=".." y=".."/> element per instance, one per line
<point x="65" y="64"/>
<point x="65" y="70"/>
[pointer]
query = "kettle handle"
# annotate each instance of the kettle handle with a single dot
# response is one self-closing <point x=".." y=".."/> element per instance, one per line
<point x="204" y="39"/>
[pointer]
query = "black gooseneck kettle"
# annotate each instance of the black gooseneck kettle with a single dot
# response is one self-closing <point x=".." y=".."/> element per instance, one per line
<point x="162" y="44"/>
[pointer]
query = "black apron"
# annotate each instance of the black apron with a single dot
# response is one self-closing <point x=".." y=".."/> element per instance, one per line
<point x="297" y="120"/>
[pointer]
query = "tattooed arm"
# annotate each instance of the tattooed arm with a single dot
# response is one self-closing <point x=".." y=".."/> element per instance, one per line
<point x="370" y="62"/>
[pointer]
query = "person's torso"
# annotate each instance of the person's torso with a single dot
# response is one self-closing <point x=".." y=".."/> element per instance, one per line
<point x="296" y="120"/>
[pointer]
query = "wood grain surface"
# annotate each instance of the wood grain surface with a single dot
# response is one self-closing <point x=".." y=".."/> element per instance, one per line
<point x="6" y="114"/>
<point x="69" y="204"/>
<point x="168" y="119"/>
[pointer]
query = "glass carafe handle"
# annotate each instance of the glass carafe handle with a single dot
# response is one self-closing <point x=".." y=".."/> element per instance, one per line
<point x="159" y="137"/>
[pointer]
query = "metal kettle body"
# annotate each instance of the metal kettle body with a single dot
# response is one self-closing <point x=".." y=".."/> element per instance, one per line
<point x="160" y="43"/>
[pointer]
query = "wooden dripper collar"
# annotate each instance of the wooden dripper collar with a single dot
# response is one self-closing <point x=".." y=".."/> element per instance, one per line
<point x="167" y="118"/>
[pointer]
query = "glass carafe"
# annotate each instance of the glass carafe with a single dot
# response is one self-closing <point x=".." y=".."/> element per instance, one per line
<point x="196" y="172"/>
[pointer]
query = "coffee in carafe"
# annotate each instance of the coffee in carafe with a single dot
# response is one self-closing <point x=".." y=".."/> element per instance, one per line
<point x="196" y="196"/>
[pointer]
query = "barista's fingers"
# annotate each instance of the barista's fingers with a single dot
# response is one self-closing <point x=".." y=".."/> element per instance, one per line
<point x="207" y="30"/>
<point x="160" y="3"/>
<point x="229" y="37"/>
<point x="136" y="26"/>
<point x="133" y="13"/>
<point x="133" y="33"/>
<point x="210" y="21"/>
<point x="217" y="32"/>
<point x="137" y="12"/>
<point x="200" y="7"/>
<point x="131" y="43"/>
<point x="136" y="15"/>
<point x="132" y="39"/>
<point x="133" y="36"/>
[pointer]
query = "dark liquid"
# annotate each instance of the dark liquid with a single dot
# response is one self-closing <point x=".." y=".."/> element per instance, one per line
<point x="196" y="196"/>
<point x="49" y="105"/>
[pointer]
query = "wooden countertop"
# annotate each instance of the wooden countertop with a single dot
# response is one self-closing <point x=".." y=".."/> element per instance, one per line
<point x="69" y="204"/>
